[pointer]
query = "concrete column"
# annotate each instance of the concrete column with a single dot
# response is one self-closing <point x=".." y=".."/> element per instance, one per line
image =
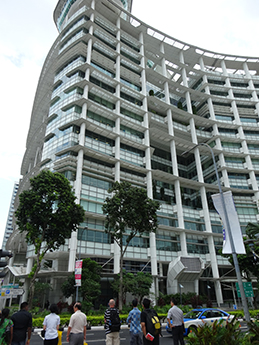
<point x="179" y="207"/>
<point x="29" y="265"/>
<point x="79" y="169"/>
<point x="72" y="252"/>
<point x="215" y="271"/>
<point x="196" y="286"/>
<point x="89" y="50"/>
<point x="24" y="297"/>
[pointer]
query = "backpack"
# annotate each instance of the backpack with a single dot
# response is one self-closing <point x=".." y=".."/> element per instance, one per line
<point x="115" y="322"/>
<point x="153" y="325"/>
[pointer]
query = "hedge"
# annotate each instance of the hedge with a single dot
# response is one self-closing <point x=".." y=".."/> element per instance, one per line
<point x="240" y="313"/>
<point x="99" y="320"/>
<point x="92" y="320"/>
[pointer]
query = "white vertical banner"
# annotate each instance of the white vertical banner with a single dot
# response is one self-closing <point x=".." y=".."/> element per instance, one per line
<point x="233" y="223"/>
<point x="78" y="272"/>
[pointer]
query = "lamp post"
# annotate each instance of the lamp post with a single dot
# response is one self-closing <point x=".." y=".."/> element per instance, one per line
<point x="79" y="257"/>
<point x="208" y="288"/>
<point x="181" y="287"/>
<point x="227" y="226"/>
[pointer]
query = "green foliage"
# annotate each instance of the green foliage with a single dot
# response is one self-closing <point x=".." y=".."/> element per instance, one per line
<point x="129" y="208"/>
<point x="187" y="298"/>
<point x="127" y="285"/>
<point x="129" y="212"/>
<point x="142" y="282"/>
<point x="217" y="334"/>
<point x="253" y="335"/>
<point x="138" y="284"/>
<point x="91" y="277"/>
<point x="86" y="306"/>
<point x="90" y="288"/>
<point x="248" y="262"/>
<point x="47" y="213"/>
<point x="68" y="287"/>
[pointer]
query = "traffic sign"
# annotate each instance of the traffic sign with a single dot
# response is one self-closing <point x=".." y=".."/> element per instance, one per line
<point x="248" y="288"/>
<point x="8" y="293"/>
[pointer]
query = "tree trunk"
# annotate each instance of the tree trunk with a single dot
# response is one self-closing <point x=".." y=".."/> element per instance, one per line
<point x="121" y="279"/>
<point x="32" y="283"/>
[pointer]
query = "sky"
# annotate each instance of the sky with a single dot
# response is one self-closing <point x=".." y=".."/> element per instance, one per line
<point x="27" y="31"/>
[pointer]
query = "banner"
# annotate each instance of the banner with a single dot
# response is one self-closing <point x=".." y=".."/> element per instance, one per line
<point x="234" y="225"/>
<point x="78" y="272"/>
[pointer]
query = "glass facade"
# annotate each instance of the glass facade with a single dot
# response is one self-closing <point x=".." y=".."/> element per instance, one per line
<point x="123" y="104"/>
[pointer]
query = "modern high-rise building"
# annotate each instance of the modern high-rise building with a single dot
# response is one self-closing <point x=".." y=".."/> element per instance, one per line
<point x="9" y="225"/>
<point x="118" y="100"/>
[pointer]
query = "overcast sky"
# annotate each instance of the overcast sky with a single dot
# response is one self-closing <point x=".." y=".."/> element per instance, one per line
<point x="28" y="31"/>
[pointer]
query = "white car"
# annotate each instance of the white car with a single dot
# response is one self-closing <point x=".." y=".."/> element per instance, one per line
<point x="197" y="317"/>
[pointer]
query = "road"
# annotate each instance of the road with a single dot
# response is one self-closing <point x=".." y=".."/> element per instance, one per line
<point x="97" y="336"/>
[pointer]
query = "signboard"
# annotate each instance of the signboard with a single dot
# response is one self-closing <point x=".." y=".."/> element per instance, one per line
<point x="10" y="292"/>
<point x="234" y="224"/>
<point x="78" y="272"/>
<point x="248" y="289"/>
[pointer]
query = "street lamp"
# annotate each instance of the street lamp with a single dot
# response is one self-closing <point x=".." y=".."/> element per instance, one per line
<point x="79" y="257"/>
<point x="208" y="287"/>
<point x="181" y="287"/>
<point x="251" y="243"/>
<point x="227" y="226"/>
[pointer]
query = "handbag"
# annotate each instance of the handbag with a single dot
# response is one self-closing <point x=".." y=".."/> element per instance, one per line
<point x="60" y="336"/>
<point x="43" y="332"/>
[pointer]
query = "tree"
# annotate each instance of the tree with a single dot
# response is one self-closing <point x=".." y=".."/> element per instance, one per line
<point x="91" y="277"/>
<point x="142" y="285"/>
<point x="47" y="213"/>
<point x="91" y="286"/>
<point x="68" y="287"/>
<point x="129" y="212"/>
<point x="138" y="284"/>
<point x="249" y="262"/>
<point x="41" y="289"/>
<point x="127" y="286"/>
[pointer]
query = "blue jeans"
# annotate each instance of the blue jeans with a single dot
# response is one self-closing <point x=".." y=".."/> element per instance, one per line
<point x="22" y="342"/>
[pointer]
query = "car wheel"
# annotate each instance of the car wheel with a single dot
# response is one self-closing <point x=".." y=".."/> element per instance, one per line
<point x="191" y="329"/>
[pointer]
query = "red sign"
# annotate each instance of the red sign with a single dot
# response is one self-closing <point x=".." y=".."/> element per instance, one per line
<point x="78" y="272"/>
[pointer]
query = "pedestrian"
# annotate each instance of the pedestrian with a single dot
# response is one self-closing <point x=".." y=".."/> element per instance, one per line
<point x="76" y="332"/>
<point x="51" y="326"/>
<point x="6" y="328"/>
<point x="112" y="324"/>
<point x="177" y="326"/>
<point x="135" y="325"/>
<point x="22" y="321"/>
<point x="146" y="314"/>
<point x="46" y="305"/>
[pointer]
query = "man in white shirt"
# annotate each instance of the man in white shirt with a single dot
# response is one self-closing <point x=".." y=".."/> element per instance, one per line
<point x="76" y="332"/>
<point x="176" y="315"/>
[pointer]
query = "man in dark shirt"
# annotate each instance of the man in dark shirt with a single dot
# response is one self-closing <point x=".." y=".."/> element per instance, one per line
<point x="22" y="323"/>
<point x="112" y="337"/>
<point x="144" y="315"/>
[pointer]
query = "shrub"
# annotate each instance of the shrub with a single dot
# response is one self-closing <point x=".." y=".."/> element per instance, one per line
<point x="217" y="334"/>
<point x="253" y="336"/>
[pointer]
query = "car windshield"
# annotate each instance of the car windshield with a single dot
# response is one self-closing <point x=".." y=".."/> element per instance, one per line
<point x="193" y="314"/>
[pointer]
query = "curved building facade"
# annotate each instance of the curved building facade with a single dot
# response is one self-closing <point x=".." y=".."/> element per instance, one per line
<point x="118" y="100"/>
